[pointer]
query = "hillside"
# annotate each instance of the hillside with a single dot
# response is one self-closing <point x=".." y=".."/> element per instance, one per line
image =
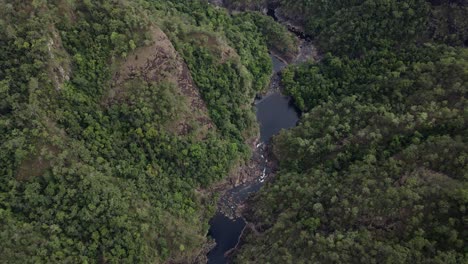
<point x="121" y="120"/>
<point x="113" y="126"/>
<point x="376" y="171"/>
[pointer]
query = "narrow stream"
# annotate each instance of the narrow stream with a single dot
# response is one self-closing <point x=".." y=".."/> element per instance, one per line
<point x="274" y="112"/>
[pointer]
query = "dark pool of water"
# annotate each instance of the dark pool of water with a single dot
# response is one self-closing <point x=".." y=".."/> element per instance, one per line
<point x="226" y="239"/>
<point x="274" y="112"/>
<point x="278" y="65"/>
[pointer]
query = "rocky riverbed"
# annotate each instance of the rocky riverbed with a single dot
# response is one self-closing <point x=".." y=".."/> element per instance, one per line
<point x="274" y="112"/>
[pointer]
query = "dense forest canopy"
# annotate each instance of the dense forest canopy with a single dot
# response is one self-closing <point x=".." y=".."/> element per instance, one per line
<point x="376" y="171"/>
<point x="111" y="130"/>
<point x="116" y="118"/>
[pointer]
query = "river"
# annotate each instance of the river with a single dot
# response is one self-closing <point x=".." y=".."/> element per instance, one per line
<point x="274" y="112"/>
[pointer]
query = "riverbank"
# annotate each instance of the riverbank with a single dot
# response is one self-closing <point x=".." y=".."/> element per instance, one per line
<point x="274" y="112"/>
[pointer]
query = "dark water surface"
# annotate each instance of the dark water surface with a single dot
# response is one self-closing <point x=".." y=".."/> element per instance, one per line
<point x="278" y="65"/>
<point x="229" y="230"/>
<point x="274" y="112"/>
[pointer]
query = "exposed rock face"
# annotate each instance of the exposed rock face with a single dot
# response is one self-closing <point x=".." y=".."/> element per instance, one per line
<point x="157" y="63"/>
<point x="59" y="65"/>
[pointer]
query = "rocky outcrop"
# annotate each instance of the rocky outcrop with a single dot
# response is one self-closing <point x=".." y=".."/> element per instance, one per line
<point x="156" y="63"/>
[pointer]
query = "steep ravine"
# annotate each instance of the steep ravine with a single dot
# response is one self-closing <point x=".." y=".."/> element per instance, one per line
<point x="274" y="112"/>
